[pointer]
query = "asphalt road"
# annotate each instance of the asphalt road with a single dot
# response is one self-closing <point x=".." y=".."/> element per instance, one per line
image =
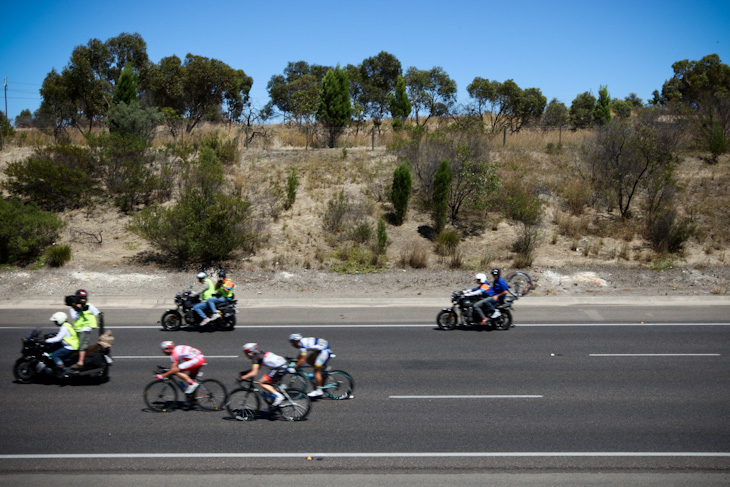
<point x="579" y="388"/>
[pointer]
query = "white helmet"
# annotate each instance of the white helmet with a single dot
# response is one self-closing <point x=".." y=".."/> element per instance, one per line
<point x="482" y="278"/>
<point x="202" y="275"/>
<point x="295" y="337"/>
<point x="59" y="317"/>
<point x="250" y="348"/>
<point x="167" y="346"/>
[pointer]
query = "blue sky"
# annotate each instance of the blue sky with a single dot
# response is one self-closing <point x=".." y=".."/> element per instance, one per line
<point x="562" y="47"/>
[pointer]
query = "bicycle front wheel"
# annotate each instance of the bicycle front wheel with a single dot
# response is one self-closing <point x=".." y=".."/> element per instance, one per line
<point x="243" y="404"/>
<point x="295" y="406"/>
<point x="338" y="385"/>
<point x="160" y="396"/>
<point x="210" y="395"/>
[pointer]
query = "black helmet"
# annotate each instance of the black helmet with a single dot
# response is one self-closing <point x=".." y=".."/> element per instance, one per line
<point x="496" y="272"/>
<point x="222" y="274"/>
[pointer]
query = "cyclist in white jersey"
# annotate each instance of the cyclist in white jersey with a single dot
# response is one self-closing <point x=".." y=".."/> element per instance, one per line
<point x="186" y="362"/>
<point x="314" y="351"/>
<point x="277" y="367"/>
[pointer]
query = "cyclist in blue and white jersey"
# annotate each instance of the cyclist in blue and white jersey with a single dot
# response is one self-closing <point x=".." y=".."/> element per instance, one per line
<point x="314" y="351"/>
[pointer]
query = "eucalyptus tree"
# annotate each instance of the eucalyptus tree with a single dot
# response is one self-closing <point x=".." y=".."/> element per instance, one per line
<point x="432" y="92"/>
<point x="378" y="77"/>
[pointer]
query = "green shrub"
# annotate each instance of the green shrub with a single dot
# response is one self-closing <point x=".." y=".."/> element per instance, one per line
<point x="57" y="255"/>
<point x="447" y="242"/>
<point x="25" y="230"/>
<point x="357" y="260"/>
<point x="718" y="142"/>
<point x="292" y="183"/>
<point x="361" y="233"/>
<point x="667" y="234"/>
<point x="382" y="237"/>
<point x="58" y="177"/>
<point x="337" y="209"/>
<point x="525" y="245"/>
<point x="522" y="205"/>
<point x="225" y="150"/>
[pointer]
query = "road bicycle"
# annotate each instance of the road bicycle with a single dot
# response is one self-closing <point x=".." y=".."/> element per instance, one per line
<point x="161" y="395"/>
<point x="336" y="384"/>
<point x="244" y="403"/>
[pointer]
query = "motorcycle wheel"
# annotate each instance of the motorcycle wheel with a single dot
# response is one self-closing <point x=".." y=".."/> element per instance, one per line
<point x="520" y="283"/>
<point x="24" y="370"/>
<point x="446" y="320"/>
<point x="226" y="324"/>
<point x="171" y="321"/>
<point x="504" y="322"/>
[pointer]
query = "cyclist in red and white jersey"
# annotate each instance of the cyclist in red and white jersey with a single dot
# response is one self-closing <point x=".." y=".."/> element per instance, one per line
<point x="276" y="364"/>
<point x="186" y="362"/>
<point x="314" y="351"/>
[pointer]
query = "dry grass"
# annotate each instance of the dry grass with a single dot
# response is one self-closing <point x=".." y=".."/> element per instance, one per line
<point x="572" y="231"/>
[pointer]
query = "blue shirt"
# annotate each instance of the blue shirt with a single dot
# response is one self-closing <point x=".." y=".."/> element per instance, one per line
<point x="499" y="285"/>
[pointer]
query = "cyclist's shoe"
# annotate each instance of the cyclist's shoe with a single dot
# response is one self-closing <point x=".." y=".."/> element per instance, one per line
<point x="315" y="393"/>
<point x="496" y="314"/>
<point x="277" y="400"/>
<point x="192" y="387"/>
<point x="205" y="322"/>
<point x="484" y="321"/>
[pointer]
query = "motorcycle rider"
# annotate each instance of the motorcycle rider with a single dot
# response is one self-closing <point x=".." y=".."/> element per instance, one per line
<point x="84" y="317"/>
<point x="484" y="292"/>
<point x="186" y="362"/>
<point x="314" y="351"/>
<point x="499" y="289"/>
<point x="205" y="292"/>
<point x="223" y="293"/>
<point x="276" y="364"/>
<point x="67" y="335"/>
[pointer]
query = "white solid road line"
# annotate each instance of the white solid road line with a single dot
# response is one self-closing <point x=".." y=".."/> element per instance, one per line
<point x="655" y="355"/>
<point x="473" y="396"/>
<point x="91" y="456"/>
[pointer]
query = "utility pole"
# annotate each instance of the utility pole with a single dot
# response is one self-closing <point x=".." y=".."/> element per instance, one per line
<point x="6" y="97"/>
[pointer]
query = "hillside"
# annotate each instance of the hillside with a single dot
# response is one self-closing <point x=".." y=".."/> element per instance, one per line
<point x="295" y="241"/>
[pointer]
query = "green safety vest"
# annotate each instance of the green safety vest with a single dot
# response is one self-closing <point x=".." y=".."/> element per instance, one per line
<point x="208" y="292"/>
<point x="86" y="318"/>
<point x="72" y="339"/>
<point x="226" y="293"/>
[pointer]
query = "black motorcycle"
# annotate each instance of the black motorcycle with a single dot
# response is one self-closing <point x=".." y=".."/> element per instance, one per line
<point x="173" y="319"/>
<point x="462" y="311"/>
<point x="36" y="364"/>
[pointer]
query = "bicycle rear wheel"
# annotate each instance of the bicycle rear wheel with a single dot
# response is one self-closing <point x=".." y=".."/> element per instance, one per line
<point x="297" y="381"/>
<point x="243" y="404"/>
<point x="210" y="395"/>
<point x="295" y="406"/>
<point x="160" y="396"/>
<point x="338" y="385"/>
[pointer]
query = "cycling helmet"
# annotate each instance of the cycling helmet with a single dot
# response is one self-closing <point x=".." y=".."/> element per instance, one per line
<point x="250" y="348"/>
<point x="82" y="293"/>
<point x="202" y="275"/>
<point x="496" y="272"/>
<point x="59" y="317"/>
<point x="167" y="346"/>
<point x="295" y="337"/>
<point x="482" y="278"/>
<point x="222" y="274"/>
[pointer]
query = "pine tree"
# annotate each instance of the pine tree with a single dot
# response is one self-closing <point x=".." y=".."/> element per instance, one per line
<point x="602" y="112"/>
<point x="334" y="110"/>
<point x="126" y="88"/>
<point x="401" y="192"/>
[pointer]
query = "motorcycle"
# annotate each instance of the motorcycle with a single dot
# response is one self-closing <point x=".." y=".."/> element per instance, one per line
<point x="462" y="311"/>
<point x="36" y="364"/>
<point x="173" y="319"/>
